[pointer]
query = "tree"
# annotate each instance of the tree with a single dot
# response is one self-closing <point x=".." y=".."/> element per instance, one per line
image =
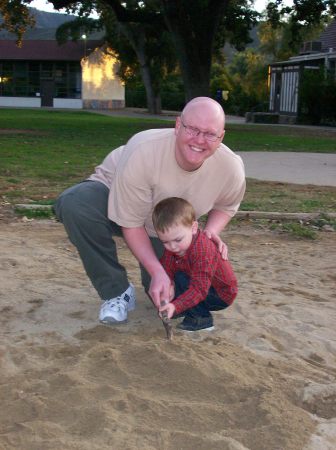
<point x="303" y="17"/>
<point x="16" y="17"/>
<point x="155" y="57"/>
<point x="192" y="26"/>
<point x="244" y="80"/>
<point x="140" y="47"/>
<point x="277" y="43"/>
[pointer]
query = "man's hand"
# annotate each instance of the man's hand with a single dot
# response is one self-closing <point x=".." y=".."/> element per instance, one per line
<point x="222" y="247"/>
<point x="172" y="292"/>
<point x="216" y="222"/>
<point x="138" y="241"/>
<point x="169" y="307"/>
<point x="160" y="287"/>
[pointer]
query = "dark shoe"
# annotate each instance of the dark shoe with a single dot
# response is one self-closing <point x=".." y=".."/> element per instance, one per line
<point x="178" y="316"/>
<point x="196" y="323"/>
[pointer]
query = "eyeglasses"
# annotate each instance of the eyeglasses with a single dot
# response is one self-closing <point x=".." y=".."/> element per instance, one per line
<point x="194" y="132"/>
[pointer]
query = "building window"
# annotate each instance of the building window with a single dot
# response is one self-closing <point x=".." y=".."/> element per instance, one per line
<point x="23" y="78"/>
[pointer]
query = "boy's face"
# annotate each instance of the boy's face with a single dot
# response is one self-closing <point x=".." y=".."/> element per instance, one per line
<point x="177" y="239"/>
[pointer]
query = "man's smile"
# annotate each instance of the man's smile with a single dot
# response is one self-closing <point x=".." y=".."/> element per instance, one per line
<point x="196" y="149"/>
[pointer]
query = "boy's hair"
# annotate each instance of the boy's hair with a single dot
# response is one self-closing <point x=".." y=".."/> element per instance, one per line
<point x="173" y="211"/>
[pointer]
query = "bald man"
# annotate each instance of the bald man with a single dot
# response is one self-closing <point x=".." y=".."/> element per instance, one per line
<point x="189" y="161"/>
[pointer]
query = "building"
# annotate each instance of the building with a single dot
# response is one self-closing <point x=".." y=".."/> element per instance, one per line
<point x="285" y="76"/>
<point x="41" y="73"/>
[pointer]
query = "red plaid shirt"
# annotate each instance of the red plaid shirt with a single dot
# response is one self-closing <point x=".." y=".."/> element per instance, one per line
<point x="205" y="267"/>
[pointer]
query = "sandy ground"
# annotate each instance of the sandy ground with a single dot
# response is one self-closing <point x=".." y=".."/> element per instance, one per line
<point x="264" y="379"/>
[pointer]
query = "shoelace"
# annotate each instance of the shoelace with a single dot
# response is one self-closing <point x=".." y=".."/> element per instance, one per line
<point x="119" y="303"/>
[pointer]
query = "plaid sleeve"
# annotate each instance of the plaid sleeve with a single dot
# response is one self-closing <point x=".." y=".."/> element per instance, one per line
<point x="167" y="262"/>
<point x="203" y="261"/>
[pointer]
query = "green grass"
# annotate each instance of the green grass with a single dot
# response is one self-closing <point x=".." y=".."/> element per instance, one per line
<point x="35" y="213"/>
<point x="305" y="229"/>
<point x="277" y="138"/>
<point x="298" y="230"/>
<point x="44" y="151"/>
<point x="286" y="197"/>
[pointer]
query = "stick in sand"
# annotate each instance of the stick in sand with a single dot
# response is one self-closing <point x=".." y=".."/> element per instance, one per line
<point x="166" y="322"/>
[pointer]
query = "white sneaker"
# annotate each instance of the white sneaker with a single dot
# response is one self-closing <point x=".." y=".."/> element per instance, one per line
<point x="115" y="310"/>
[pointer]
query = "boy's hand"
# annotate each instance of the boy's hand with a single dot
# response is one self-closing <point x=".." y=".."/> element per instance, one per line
<point x="222" y="247"/>
<point x="169" y="307"/>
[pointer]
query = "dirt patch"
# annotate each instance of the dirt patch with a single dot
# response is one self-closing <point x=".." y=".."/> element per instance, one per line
<point x="264" y="379"/>
<point x="21" y="131"/>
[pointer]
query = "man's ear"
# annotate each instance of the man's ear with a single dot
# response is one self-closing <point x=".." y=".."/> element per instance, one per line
<point x="177" y="124"/>
<point x="194" y="227"/>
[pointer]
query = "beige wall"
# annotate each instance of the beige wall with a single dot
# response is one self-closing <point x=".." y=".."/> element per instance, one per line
<point x="101" y="86"/>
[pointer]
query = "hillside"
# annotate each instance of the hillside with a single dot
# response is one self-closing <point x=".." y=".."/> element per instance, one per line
<point x="45" y="26"/>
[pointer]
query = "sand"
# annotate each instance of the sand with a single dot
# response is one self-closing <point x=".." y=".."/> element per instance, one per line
<point x="264" y="379"/>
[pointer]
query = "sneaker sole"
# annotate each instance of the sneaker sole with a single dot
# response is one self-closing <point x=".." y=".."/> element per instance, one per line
<point x="111" y="322"/>
<point x="193" y="331"/>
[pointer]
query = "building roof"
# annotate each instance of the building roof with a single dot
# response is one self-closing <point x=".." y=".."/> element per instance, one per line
<point x="327" y="49"/>
<point x="328" y="37"/>
<point x="46" y="50"/>
<point x="39" y="42"/>
<point x="306" y="59"/>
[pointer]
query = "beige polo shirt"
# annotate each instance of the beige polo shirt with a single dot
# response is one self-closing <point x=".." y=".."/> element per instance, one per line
<point x="145" y="171"/>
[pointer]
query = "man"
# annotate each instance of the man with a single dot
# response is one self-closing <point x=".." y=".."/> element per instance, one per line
<point x="189" y="162"/>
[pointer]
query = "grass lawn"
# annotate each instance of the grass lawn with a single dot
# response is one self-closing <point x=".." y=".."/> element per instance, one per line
<point x="44" y="151"/>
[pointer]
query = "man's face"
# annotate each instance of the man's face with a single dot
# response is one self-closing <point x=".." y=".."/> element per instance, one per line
<point x="198" y="135"/>
<point x="177" y="239"/>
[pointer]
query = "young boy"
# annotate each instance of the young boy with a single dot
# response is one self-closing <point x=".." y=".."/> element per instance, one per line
<point x="203" y="281"/>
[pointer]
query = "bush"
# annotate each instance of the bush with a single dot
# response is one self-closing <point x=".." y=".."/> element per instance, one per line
<point x="172" y="94"/>
<point x="135" y="97"/>
<point x="260" y="117"/>
<point x="317" y="96"/>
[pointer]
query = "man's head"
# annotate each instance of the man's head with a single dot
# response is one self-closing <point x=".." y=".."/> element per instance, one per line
<point x="175" y="223"/>
<point x="199" y="131"/>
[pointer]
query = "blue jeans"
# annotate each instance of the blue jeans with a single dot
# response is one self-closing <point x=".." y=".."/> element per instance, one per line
<point x="212" y="302"/>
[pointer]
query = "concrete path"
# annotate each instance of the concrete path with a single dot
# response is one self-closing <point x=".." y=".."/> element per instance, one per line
<point x="289" y="167"/>
<point x="142" y="113"/>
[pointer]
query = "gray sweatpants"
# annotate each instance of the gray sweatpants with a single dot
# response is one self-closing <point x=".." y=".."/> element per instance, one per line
<point x="83" y="211"/>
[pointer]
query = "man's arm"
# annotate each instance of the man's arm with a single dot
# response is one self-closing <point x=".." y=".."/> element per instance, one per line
<point x="140" y="245"/>
<point x="216" y="222"/>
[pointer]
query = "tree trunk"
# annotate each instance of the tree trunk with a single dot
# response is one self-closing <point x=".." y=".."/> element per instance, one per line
<point x="193" y="28"/>
<point x="153" y="100"/>
<point x="138" y="44"/>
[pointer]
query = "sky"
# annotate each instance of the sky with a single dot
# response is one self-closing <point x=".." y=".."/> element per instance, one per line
<point x="43" y="5"/>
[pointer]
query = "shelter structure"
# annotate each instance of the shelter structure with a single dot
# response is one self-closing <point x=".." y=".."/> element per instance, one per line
<point x="285" y="76"/>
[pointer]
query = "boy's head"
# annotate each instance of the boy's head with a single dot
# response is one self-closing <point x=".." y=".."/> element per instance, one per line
<point x="175" y="222"/>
